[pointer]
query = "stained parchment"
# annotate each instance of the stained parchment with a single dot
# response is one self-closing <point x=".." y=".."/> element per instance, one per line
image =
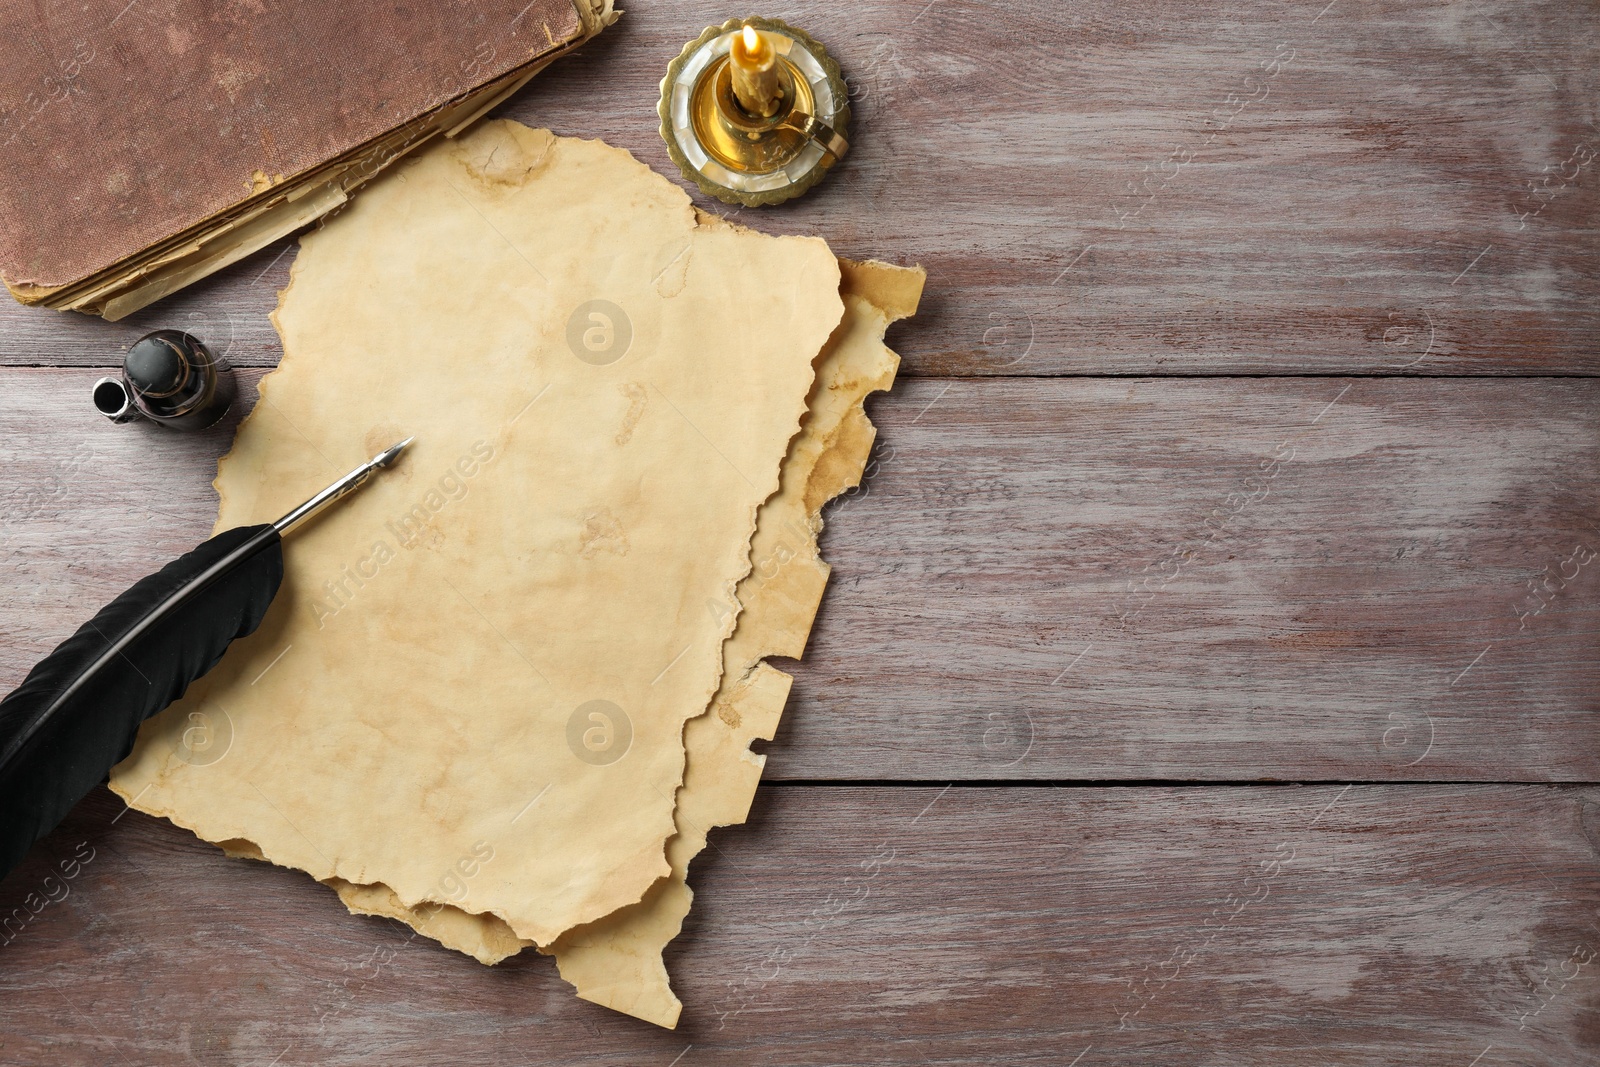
<point x="616" y="961"/>
<point x="472" y="689"/>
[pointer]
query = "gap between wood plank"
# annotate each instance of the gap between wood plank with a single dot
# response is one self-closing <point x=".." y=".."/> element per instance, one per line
<point x="912" y="375"/>
<point x="1141" y="783"/>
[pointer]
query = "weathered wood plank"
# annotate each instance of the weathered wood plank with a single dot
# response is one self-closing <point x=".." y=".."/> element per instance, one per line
<point x="1111" y="188"/>
<point x="1294" y="926"/>
<point x="1290" y="578"/>
<point x="1063" y="578"/>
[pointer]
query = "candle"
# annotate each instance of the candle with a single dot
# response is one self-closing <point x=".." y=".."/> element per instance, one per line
<point x="755" y="72"/>
<point x="773" y="138"/>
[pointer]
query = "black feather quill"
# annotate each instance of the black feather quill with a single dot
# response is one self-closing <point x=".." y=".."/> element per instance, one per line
<point x="76" y="714"/>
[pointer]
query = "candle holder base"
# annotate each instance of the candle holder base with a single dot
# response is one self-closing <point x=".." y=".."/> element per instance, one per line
<point x="741" y="158"/>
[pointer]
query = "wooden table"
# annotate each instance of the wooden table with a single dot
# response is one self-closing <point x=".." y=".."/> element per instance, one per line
<point x="1208" y="674"/>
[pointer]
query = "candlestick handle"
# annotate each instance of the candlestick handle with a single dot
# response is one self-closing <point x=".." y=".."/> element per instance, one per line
<point x="827" y="138"/>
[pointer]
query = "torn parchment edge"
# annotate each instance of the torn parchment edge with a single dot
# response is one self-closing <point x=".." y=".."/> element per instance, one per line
<point x="616" y="961"/>
<point x="772" y="609"/>
<point x="425" y="912"/>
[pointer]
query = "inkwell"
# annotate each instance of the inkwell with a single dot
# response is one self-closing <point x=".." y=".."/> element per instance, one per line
<point x="170" y="378"/>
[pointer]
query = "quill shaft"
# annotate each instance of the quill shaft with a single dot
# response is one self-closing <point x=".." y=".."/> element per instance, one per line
<point x="341" y="488"/>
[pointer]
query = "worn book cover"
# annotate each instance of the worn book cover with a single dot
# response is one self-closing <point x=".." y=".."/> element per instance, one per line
<point x="145" y="144"/>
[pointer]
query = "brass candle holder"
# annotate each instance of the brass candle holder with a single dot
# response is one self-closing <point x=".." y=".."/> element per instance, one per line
<point x="725" y="144"/>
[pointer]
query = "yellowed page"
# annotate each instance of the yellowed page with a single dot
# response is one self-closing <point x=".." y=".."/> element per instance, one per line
<point x="617" y="961"/>
<point x="472" y="688"/>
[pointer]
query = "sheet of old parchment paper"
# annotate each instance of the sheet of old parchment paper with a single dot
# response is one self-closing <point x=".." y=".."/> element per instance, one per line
<point x="616" y="961"/>
<point x="472" y="688"/>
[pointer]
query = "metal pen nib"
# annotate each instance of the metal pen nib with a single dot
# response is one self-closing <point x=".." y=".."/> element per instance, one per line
<point x="341" y="488"/>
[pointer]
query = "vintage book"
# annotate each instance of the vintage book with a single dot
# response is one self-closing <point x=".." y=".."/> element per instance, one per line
<point x="146" y="144"/>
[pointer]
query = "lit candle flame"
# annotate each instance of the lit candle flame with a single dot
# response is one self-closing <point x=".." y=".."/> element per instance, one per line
<point x="755" y="72"/>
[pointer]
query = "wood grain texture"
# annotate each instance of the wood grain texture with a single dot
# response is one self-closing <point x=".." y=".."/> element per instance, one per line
<point x="1053" y="573"/>
<point x="1270" y="925"/>
<point x="1252" y="578"/>
<point x="1062" y="578"/>
<point x="1139" y="188"/>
